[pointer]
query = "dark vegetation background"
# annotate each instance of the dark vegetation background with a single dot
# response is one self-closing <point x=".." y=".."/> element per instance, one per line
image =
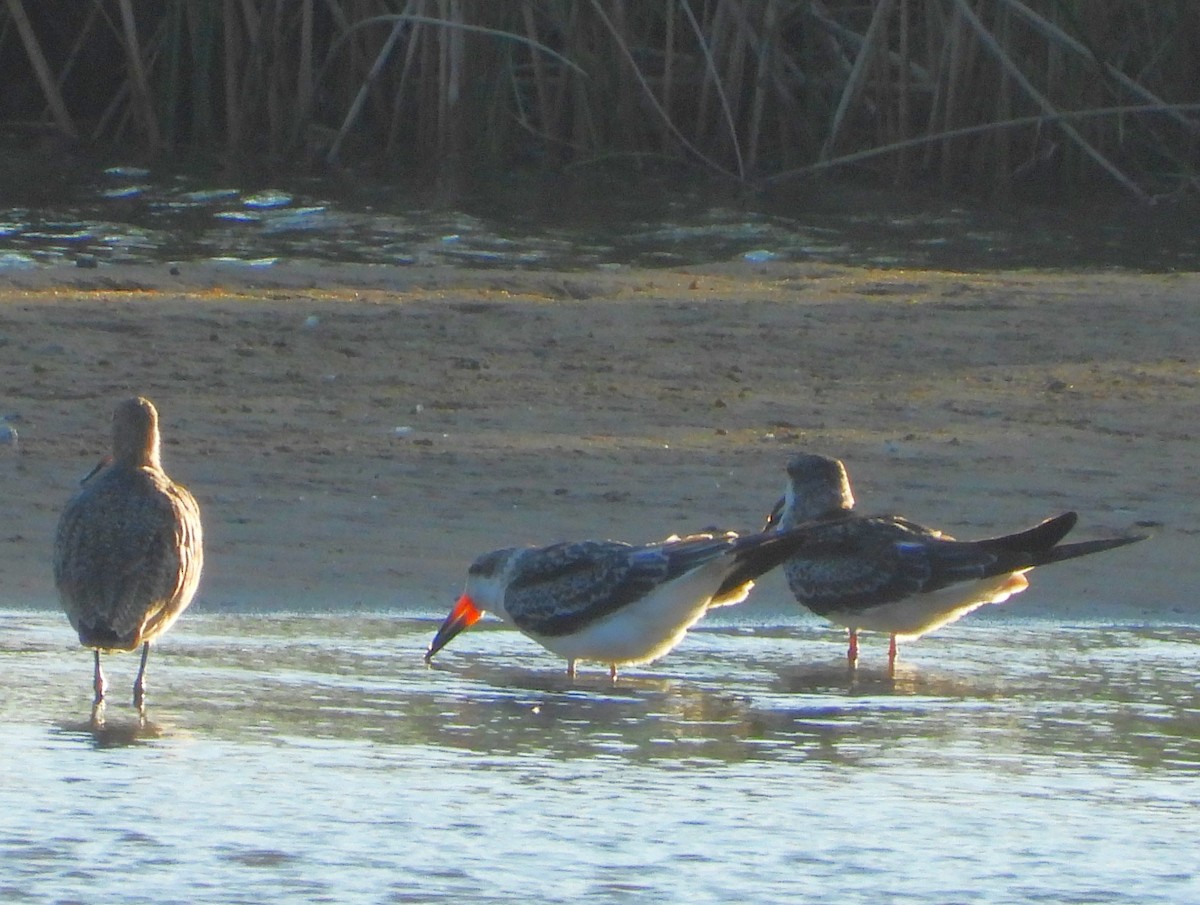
<point x="1047" y="98"/>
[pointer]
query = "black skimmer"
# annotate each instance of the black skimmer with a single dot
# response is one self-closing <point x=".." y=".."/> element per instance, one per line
<point x="129" y="547"/>
<point x="613" y="602"/>
<point x="887" y="574"/>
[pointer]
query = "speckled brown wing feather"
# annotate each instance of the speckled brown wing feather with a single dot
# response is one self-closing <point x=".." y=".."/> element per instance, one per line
<point x="128" y="556"/>
<point x="555" y="590"/>
<point x="860" y="562"/>
<point x="568" y="585"/>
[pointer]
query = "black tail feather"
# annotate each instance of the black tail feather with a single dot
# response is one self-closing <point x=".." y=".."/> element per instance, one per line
<point x="1040" y="537"/>
<point x="760" y="553"/>
<point x="1039" y="545"/>
<point x="1084" y="548"/>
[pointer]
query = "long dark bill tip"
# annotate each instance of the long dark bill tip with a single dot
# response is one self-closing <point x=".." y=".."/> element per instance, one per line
<point x="463" y="616"/>
<point x="100" y="466"/>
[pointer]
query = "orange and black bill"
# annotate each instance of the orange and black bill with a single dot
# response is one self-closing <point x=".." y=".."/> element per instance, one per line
<point x="463" y="616"/>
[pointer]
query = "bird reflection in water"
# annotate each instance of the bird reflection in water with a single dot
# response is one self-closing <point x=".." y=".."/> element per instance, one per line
<point x="122" y="732"/>
<point x="899" y="680"/>
<point x="514" y="710"/>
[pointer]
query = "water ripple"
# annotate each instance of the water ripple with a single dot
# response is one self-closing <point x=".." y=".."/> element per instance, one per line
<point x="130" y="215"/>
<point x="308" y="758"/>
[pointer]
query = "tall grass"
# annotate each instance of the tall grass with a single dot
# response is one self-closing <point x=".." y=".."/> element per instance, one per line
<point x="978" y="95"/>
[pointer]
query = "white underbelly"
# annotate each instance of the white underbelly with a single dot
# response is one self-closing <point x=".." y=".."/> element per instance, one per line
<point x="644" y="630"/>
<point x="914" y="616"/>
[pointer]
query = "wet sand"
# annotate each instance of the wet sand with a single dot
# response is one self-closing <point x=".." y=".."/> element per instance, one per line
<point x="356" y="435"/>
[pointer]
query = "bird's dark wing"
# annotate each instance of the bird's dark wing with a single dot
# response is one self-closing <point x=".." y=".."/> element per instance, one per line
<point x="862" y="562"/>
<point x="558" y="589"/>
<point x="855" y="563"/>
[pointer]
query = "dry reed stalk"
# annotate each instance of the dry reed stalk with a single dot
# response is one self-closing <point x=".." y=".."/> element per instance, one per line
<point x="584" y="129"/>
<point x="117" y="102"/>
<point x="766" y="43"/>
<point x="361" y="97"/>
<point x="903" y="171"/>
<point x="625" y="107"/>
<point x="41" y="69"/>
<point x="734" y="76"/>
<point x="233" y="112"/>
<point x="1056" y="34"/>
<point x="301" y="130"/>
<point x="203" y="22"/>
<point x="120" y="94"/>
<point x="858" y="74"/>
<point x="989" y="42"/>
<point x="152" y="50"/>
<point x="449" y="83"/>
<point x="400" y="89"/>
<point x="980" y="129"/>
<point x="172" y="31"/>
<point x="337" y="12"/>
<point x="429" y="50"/>
<point x="1001" y="143"/>
<point x="731" y="83"/>
<point x="124" y="101"/>
<point x="431" y="86"/>
<point x="253" y="84"/>
<point x="881" y="104"/>
<point x="269" y="55"/>
<point x="305" y="74"/>
<point x="142" y="97"/>
<point x="793" y="96"/>
<point x="712" y="77"/>
<point x="952" y="78"/>
<point x="667" y="90"/>
<point x="834" y="32"/>
<point x="540" y="79"/>
<point x="352" y="30"/>
<point x="935" y="37"/>
<point x="95" y="11"/>
<point x="648" y="93"/>
<point x="711" y="27"/>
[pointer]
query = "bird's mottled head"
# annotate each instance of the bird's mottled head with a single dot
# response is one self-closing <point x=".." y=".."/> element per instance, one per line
<point x="135" y="433"/>
<point x="817" y="486"/>
<point x="490" y="565"/>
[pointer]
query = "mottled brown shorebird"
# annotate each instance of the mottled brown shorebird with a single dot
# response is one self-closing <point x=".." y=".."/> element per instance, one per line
<point x="129" y="547"/>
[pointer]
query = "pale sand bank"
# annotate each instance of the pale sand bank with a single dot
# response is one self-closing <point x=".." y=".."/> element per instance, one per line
<point x="356" y="435"/>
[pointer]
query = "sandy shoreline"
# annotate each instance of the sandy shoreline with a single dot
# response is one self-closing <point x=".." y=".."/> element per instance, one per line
<point x="356" y="435"/>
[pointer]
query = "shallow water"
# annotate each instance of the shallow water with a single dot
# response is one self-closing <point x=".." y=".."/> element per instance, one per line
<point x="134" y="215"/>
<point x="315" y="758"/>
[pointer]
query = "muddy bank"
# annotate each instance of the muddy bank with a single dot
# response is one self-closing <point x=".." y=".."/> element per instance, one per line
<point x="355" y="435"/>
